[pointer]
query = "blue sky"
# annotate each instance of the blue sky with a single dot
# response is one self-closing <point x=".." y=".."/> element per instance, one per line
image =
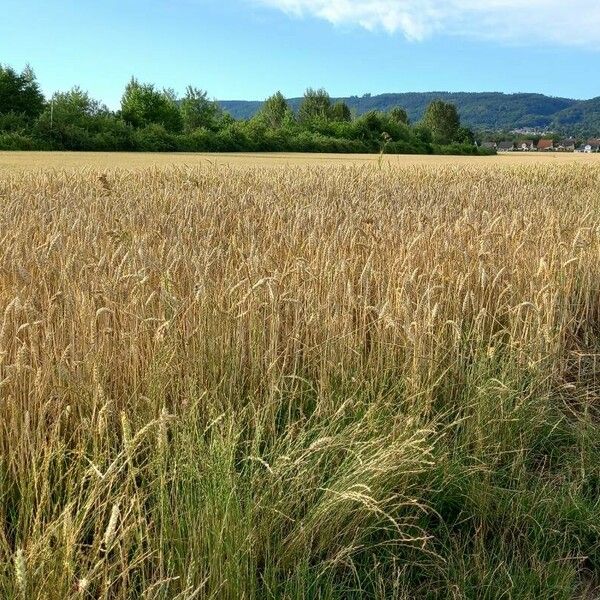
<point x="247" y="49"/>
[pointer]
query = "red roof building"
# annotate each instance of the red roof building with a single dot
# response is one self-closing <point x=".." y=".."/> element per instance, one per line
<point x="545" y="145"/>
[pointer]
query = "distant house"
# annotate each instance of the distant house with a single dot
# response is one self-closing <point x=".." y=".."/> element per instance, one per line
<point x="506" y="147"/>
<point x="585" y="148"/>
<point x="526" y="146"/>
<point x="567" y="145"/>
<point x="489" y="145"/>
<point x="594" y="144"/>
<point x="545" y="145"/>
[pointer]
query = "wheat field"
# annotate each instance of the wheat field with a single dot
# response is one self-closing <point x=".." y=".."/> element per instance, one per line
<point x="76" y="161"/>
<point x="313" y="381"/>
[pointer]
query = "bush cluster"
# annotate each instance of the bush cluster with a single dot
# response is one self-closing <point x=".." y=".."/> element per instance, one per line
<point x="154" y="120"/>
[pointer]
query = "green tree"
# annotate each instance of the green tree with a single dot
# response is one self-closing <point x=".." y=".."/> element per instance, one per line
<point x="422" y="134"/>
<point x="20" y="92"/>
<point x="274" y="111"/>
<point x="371" y="124"/>
<point x="143" y="105"/>
<point x="399" y="115"/>
<point x="75" y="107"/>
<point x="197" y="110"/>
<point x="340" y="112"/>
<point x="442" y="120"/>
<point x="464" y="135"/>
<point x="315" y="105"/>
<point x="75" y="121"/>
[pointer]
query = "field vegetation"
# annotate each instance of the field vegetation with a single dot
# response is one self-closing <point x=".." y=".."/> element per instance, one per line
<point x="16" y="161"/>
<point x="311" y="382"/>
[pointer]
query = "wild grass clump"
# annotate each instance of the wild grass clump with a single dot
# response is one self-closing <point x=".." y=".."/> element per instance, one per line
<point x="300" y="383"/>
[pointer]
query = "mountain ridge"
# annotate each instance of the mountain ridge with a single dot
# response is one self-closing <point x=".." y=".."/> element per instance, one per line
<point x="482" y="111"/>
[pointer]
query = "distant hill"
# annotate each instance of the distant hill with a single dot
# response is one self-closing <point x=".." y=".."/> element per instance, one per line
<point x="492" y="111"/>
<point x="581" y="118"/>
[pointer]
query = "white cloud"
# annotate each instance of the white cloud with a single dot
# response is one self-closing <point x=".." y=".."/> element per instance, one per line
<point x="564" y="22"/>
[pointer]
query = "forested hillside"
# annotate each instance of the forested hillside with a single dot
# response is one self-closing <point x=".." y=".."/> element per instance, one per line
<point x="482" y="111"/>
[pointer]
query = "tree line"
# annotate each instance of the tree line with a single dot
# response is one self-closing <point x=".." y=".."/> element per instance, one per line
<point x="153" y="119"/>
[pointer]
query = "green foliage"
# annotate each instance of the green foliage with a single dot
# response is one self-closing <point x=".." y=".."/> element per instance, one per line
<point x="423" y="134"/>
<point x="487" y="111"/>
<point x="154" y="138"/>
<point x="154" y="120"/>
<point x="74" y="107"/>
<point x="457" y="148"/>
<point x="17" y="141"/>
<point x="275" y="111"/>
<point x="399" y="115"/>
<point x="197" y="111"/>
<point x="582" y="119"/>
<point x="465" y="136"/>
<point x="75" y="121"/>
<point x="340" y="112"/>
<point x="316" y="105"/>
<point x="143" y="105"/>
<point x="14" y="122"/>
<point x="442" y="120"/>
<point x="20" y="93"/>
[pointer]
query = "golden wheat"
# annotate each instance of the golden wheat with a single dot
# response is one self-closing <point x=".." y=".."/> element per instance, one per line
<point x="226" y="383"/>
